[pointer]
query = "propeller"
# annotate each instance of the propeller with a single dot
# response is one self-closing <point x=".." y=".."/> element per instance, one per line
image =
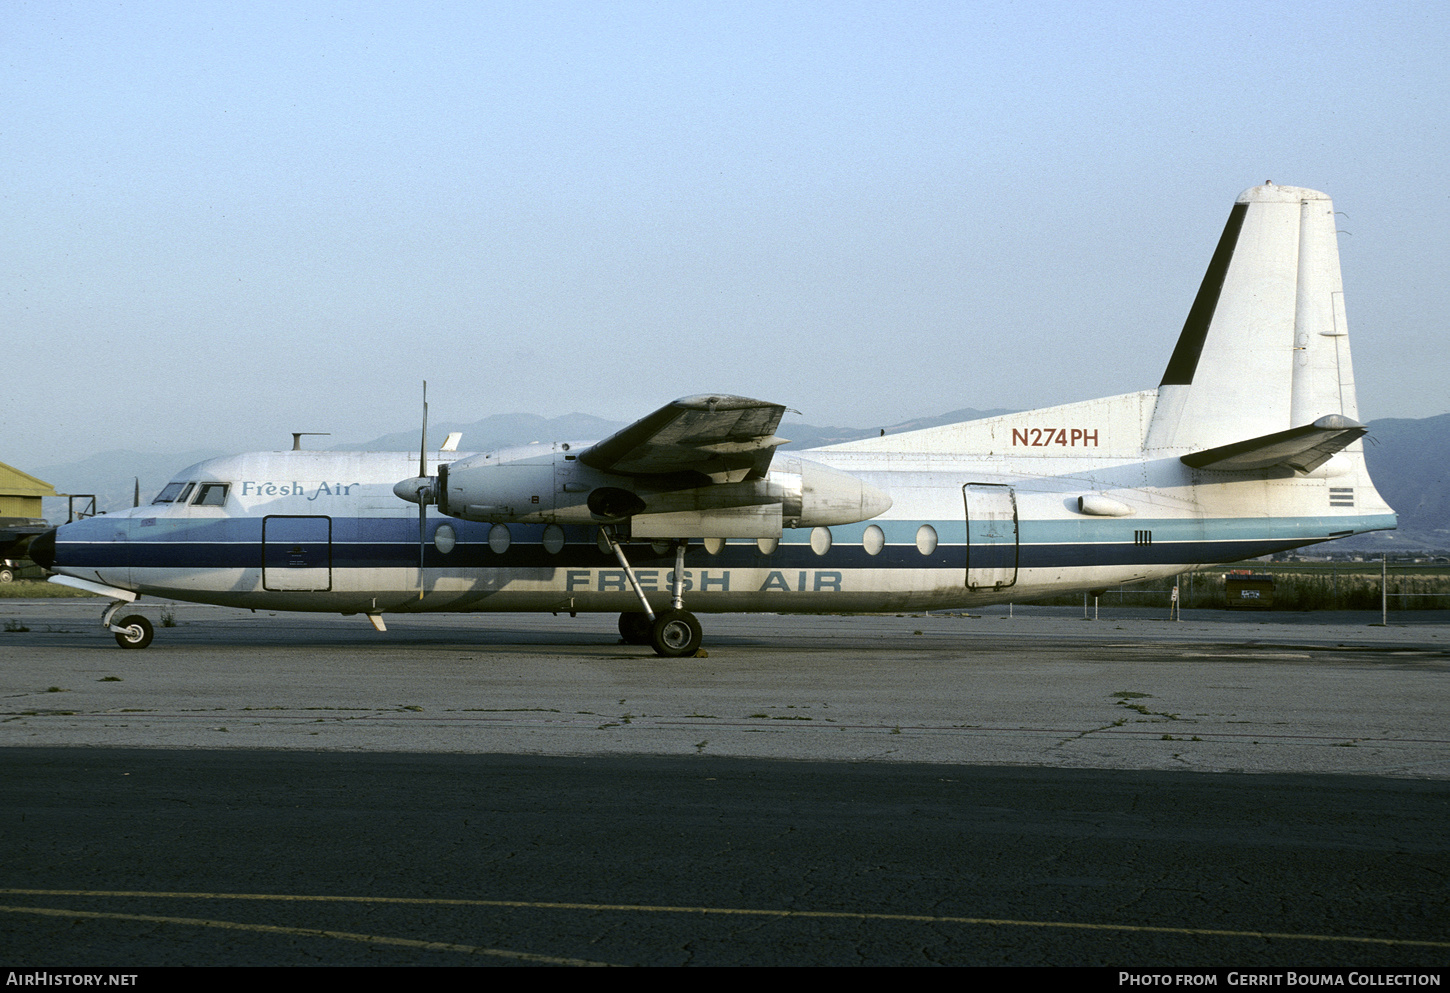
<point x="423" y="495"/>
<point x="420" y="490"/>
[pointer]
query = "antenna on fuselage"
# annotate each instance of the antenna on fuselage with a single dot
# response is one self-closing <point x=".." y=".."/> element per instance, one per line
<point x="297" y="438"/>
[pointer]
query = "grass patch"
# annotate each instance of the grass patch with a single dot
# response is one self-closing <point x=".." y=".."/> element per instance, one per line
<point x="37" y="589"/>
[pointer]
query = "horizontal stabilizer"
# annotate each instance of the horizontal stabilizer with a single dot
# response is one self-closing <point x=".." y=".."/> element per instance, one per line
<point x="1303" y="449"/>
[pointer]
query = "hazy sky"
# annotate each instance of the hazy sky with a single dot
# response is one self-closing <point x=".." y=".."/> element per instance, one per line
<point x="227" y="221"/>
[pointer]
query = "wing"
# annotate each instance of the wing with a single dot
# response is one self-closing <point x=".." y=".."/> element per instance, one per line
<point x="728" y="438"/>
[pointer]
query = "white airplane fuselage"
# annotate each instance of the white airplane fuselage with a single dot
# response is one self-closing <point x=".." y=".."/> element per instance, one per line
<point x="322" y="531"/>
<point x="1249" y="445"/>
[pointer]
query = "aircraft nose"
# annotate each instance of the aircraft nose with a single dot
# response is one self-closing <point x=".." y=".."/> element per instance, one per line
<point x="42" y="549"/>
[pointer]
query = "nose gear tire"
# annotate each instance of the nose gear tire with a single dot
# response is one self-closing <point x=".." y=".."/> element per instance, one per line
<point x="138" y="633"/>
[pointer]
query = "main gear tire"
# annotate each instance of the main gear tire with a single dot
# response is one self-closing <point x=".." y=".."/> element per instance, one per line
<point x="634" y="627"/>
<point x="676" y="634"/>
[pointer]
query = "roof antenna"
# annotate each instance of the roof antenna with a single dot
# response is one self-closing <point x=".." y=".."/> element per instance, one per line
<point x="297" y="438"/>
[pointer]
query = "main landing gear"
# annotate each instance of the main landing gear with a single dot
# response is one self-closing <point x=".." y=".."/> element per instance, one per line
<point x="673" y="633"/>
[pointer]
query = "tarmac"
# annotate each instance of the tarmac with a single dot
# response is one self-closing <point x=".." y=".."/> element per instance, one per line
<point x="1217" y="691"/>
<point x="1241" y="791"/>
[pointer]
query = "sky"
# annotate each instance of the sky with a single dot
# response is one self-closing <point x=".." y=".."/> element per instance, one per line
<point x="226" y="222"/>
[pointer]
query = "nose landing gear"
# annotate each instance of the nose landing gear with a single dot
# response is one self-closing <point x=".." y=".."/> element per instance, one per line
<point x="136" y="632"/>
<point x="133" y="631"/>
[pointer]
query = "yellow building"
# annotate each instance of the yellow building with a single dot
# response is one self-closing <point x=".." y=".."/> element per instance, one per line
<point x="20" y="495"/>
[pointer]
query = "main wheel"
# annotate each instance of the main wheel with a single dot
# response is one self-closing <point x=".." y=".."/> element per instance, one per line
<point x="6" y="575"/>
<point x="634" y="627"/>
<point x="138" y="633"/>
<point x="676" y="634"/>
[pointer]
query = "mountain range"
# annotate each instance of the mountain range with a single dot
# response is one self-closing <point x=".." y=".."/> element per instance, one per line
<point x="1409" y="460"/>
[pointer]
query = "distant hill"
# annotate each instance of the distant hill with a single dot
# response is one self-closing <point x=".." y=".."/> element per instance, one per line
<point x="503" y="430"/>
<point x="111" y="476"/>
<point x="496" y="431"/>
<point x="1409" y="459"/>
<point x="807" y="436"/>
<point x="1410" y="463"/>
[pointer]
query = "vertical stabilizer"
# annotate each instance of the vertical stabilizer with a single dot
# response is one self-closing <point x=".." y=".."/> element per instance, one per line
<point x="1265" y="347"/>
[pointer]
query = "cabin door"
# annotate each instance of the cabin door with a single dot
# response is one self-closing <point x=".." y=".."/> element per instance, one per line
<point x="297" y="553"/>
<point x="991" y="536"/>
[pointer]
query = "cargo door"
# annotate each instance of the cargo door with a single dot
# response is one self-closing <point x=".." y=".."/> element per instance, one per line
<point x="991" y="535"/>
<point x="297" y="553"/>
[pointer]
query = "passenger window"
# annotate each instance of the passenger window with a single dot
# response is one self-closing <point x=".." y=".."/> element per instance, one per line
<point x="211" y="495"/>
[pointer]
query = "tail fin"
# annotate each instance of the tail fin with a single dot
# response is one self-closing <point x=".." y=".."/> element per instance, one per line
<point x="1265" y="348"/>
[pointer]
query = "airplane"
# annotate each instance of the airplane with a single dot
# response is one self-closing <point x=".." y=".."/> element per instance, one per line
<point x="1249" y="445"/>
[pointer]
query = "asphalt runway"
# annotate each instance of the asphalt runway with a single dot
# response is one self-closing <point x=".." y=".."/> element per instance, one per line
<point x="1229" y="791"/>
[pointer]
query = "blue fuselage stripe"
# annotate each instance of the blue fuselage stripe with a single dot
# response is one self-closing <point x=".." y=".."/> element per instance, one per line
<point x="372" y="543"/>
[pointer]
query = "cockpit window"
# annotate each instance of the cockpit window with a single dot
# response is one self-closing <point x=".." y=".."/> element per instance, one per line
<point x="211" y="495"/>
<point x="168" y="494"/>
<point x="174" y="493"/>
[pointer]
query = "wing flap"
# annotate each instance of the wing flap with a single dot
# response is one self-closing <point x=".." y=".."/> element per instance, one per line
<point x="714" y="434"/>
<point x="1303" y="449"/>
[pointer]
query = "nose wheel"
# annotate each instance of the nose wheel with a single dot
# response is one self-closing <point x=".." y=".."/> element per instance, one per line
<point x="134" y="632"/>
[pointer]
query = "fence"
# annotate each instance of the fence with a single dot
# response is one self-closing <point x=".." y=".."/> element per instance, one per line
<point x="1297" y="586"/>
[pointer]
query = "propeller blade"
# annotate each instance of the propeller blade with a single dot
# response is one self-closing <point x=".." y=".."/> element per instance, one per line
<point x="423" y="442"/>
<point x="422" y="542"/>
<point x="422" y="489"/>
<point x="422" y="501"/>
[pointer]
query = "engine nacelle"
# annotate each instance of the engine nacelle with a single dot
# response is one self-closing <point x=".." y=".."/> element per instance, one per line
<point x="484" y="489"/>
<point x="556" y="488"/>
<point x="819" y="496"/>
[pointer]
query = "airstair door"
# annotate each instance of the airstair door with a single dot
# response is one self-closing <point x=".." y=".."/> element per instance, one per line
<point x="992" y="553"/>
<point x="297" y="553"/>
